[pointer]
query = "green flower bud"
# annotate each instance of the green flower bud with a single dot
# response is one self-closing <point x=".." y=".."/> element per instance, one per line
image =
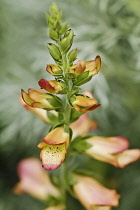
<point x="56" y="24"/>
<point x="53" y="10"/>
<point x="53" y="34"/>
<point x="63" y="28"/>
<point x="65" y="44"/>
<point x="54" y="51"/>
<point x="72" y="55"/>
<point x="67" y="40"/>
<point x="50" y="20"/>
<point x="59" y="16"/>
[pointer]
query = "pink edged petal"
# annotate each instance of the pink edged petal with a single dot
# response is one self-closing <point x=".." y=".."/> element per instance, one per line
<point x="94" y="107"/>
<point x="34" y="180"/>
<point x="106" y="148"/>
<point x="91" y="193"/>
<point x="110" y="145"/>
<point x="127" y="157"/>
<point x="57" y="136"/>
<point x="26" y="98"/>
<point x="52" y="156"/>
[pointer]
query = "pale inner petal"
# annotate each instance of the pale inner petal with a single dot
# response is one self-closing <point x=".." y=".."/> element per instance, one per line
<point x="52" y="156"/>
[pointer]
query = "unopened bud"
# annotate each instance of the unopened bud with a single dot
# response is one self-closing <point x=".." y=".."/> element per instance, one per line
<point x="54" y="70"/>
<point x="63" y="28"/>
<point x="72" y="55"/>
<point x="50" y="20"/>
<point x="54" y="51"/>
<point x="67" y="40"/>
<point x="53" y="34"/>
<point x="69" y="33"/>
<point x="56" y="24"/>
<point x="53" y="10"/>
<point x="65" y="44"/>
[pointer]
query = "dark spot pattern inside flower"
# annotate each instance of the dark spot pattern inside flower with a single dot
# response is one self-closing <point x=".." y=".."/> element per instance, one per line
<point x="53" y="155"/>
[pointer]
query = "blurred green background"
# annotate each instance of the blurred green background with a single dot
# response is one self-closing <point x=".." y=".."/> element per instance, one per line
<point x="105" y="27"/>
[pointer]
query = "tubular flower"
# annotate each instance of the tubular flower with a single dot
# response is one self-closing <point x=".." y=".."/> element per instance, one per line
<point x="41" y="113"/>
<point x="82" y="103"/>
<point x="93" y="195"/>
<point x="112" y="150"/>
<point x="52" y="86"/>
<point x="39" y="99"/>
<point x="93" y="67"/>
<point x="83" y="125"/>
<point x="34" y="180"/>
<point x="53" y="148"/>
<point x="54" y="70"/>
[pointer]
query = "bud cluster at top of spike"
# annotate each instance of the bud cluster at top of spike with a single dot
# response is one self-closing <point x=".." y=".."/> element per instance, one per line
<point x="61" y="34"/>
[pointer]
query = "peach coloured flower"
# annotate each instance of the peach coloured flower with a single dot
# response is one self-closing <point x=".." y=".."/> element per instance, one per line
<point x="83" y="125"/>
<point x="52" y="86"/>
<point x="112" y="150"/>
<point x="53" y="148"/>
<point x="54" y="70"/>
<point x="34" y="180"/>
<point x="38" y="99"/>
<point x="92" y="194"/>
<point x="41" y="113"/>
<point x="92" y="67"/>
<point x="82" y="103"/>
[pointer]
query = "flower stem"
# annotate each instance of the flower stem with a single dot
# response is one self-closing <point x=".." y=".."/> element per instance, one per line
<point x="67" y="115"/>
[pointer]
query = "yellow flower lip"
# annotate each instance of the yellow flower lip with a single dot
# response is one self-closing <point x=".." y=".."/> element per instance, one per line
<point x="52" y="155"/>
<point x="53" y="148"/>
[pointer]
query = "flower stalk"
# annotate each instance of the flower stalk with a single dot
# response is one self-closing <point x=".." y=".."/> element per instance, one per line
<point x="70" y="116"/>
